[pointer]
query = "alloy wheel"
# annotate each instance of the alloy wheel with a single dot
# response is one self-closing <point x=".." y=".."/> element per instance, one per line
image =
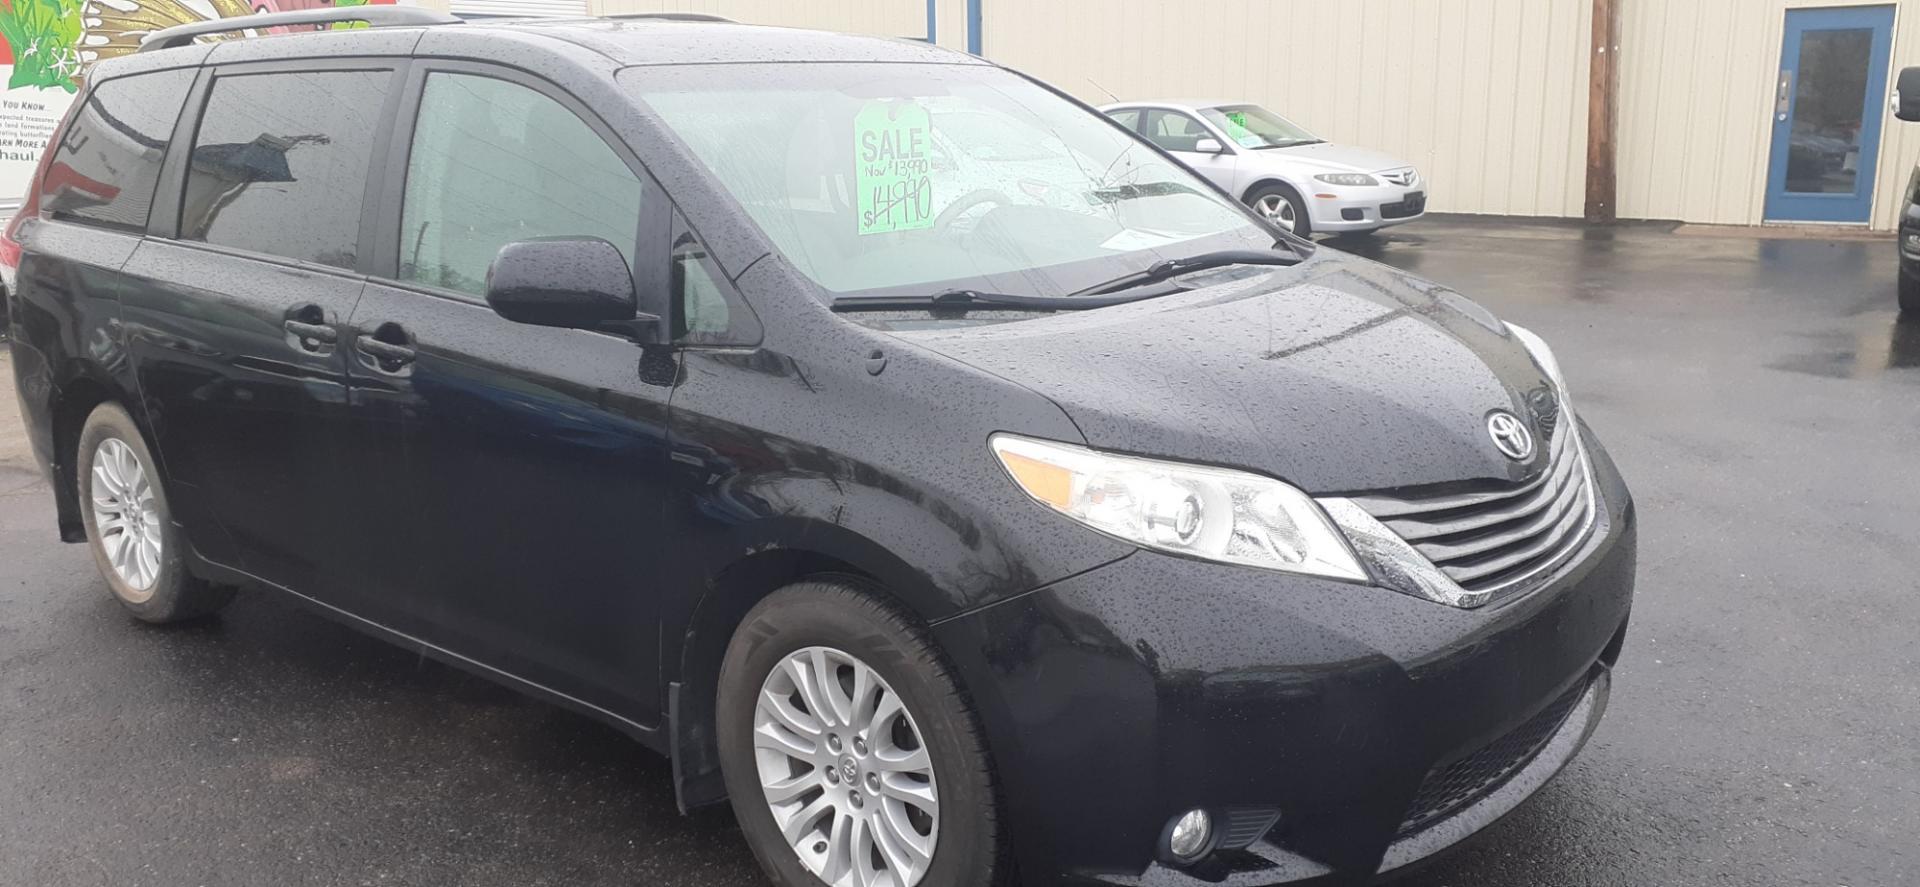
<point x="846" y="771"/>
<point x="126" y="517"/>
<point x="1276" y="209"/>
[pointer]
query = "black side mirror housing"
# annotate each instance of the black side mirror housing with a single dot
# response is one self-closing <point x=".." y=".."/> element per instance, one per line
<point x="571" y="282"/>
<point x="1906" y="95"/>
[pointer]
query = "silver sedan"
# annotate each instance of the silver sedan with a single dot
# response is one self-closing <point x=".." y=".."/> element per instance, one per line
<point x="1300" y="182"/>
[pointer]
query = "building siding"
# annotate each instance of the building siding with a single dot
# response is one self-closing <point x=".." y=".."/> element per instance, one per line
<point x="1696" y="109"/>
<point x="885" y="18"/>
<point x="534" y="8"/>
<point x="1487" y="97"/>
<point x="1482" y="95"/>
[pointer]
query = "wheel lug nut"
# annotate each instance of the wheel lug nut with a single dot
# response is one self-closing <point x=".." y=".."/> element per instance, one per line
<point x="873" y="782"/>
<point x="820" y="847"/>
<point x="859" y="746"/>
<point x="833" y="775"/>
<point x="857" y="803"/>
<point x="833" y="744"/>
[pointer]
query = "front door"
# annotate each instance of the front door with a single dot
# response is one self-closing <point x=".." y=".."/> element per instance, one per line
<point x="1827" y="109"/>
<point x="1181" y="135"/>
<point x="511" y="476"/>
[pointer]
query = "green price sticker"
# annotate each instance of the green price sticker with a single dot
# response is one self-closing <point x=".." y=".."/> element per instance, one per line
<point x="891" y="145"/>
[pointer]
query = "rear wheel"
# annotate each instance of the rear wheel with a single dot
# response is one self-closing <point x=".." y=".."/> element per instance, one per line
<point x="851" y="756"/>
<point x="1279" y="204"/>
<point x="139" y="550"/>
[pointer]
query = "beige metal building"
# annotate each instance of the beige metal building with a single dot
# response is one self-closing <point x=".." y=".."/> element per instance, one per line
<point x="1489" y="97"/>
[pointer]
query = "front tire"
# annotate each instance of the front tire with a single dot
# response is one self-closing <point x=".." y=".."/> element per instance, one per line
<point x="1909" y="296"/>
<point x="139" y="549"/>
<point x="851" y="756"/>
<point x="1281" y="205"/>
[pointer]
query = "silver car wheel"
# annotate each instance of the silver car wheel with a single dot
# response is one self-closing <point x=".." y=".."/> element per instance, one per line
<point x="1276" y="209"/>
<point x="845" y="771"/>
<point x="126" y="517"/>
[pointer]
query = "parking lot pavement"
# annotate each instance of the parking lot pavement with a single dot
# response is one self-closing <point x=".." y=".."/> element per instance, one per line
<point x="1757" y="394"/>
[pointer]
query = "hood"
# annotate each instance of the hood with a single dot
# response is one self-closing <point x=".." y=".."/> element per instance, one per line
<point x="1338" y="375"/>
<point x="1331" y="157"/>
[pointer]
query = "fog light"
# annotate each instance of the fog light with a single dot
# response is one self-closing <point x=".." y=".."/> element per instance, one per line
<point x="1911" y="243"/>
<point x="1191" y="835"/>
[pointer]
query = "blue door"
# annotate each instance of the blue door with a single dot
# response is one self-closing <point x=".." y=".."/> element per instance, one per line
<point x="1827" y="112"/>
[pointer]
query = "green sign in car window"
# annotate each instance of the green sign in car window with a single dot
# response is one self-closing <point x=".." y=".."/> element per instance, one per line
<point x="891" y="173"/>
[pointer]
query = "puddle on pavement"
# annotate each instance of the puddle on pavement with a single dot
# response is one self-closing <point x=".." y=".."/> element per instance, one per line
<point x="1878" y="345"/>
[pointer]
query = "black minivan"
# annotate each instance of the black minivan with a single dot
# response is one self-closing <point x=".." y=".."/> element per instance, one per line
<point x="931" y="467"/>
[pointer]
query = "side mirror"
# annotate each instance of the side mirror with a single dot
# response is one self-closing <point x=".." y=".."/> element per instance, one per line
<point x="1906" y="95"/>
<point x="571" y="282"/>
<point x="1209" y="146"/>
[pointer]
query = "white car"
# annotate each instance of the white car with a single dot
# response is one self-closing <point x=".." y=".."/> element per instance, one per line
<point x="1300" y="182"/>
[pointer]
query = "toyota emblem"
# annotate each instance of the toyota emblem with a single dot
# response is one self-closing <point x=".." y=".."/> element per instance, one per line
<point x="1510" y="435"/>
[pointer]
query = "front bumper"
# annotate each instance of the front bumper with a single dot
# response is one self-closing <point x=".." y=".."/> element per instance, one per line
<point x="1364" y="209"/>
<point x="1116" y="699"/>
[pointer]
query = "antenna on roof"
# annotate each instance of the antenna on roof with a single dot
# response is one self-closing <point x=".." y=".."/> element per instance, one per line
<point x="1109" y="92"/>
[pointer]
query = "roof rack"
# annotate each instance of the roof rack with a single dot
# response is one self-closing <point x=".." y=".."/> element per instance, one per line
<point x="374" y="16"/>
<point x="670" y="16"/>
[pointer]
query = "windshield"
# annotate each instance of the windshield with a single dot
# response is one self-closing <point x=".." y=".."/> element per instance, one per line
<point x="895" y="179"/>
<point x="1251" y="126"/>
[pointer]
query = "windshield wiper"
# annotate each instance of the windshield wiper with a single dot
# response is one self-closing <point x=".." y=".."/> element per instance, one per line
<point x="976" y="300"/>
<point x="1290" y="143"/>
<point x="1099" y="296"/>
<point x="1159" y="271"/>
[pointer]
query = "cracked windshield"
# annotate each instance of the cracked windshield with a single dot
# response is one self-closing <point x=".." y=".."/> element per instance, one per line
<point x="870" y="178"/>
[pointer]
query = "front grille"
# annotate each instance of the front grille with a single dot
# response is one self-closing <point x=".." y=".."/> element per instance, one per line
<point x="1241" y="826"/>
<point x="1484" y="541"/>
<point x="1413" y="205"/>
<point x="1453" y="787"/>
<point x="1401" y="177"/>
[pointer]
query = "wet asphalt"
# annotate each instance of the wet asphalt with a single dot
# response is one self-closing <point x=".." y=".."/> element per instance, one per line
<point x="1765" y="725"/>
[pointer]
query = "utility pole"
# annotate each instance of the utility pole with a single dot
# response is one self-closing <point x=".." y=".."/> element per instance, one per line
<point x="1603" y="110"/>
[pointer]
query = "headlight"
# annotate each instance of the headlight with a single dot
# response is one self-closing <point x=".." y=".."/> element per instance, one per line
<point x="1211" y="513"/>
<point x="1355" y="179"/>
<point x="1542" y="355"/>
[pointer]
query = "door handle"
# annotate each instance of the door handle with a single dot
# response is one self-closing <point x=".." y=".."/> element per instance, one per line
<point x="385" y="352"/>
<point x="1783" y="97"/>
<point x="307" y="328"/>
<point x="318" y="332"/>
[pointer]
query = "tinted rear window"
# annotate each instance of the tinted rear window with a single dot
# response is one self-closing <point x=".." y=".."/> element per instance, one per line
<point x="280" y="163"/>
<point x="107" y="163"/>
